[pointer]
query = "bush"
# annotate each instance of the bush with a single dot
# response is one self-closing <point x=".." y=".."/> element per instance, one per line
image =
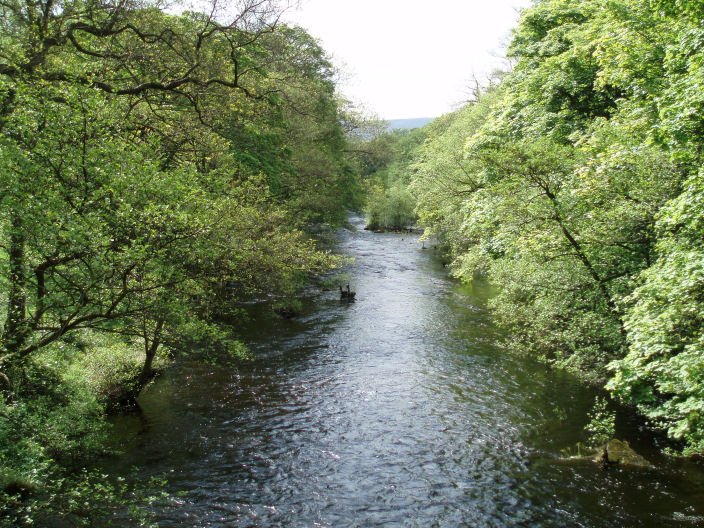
<point x="110" y="367"/>
<point x="602" y="424"/>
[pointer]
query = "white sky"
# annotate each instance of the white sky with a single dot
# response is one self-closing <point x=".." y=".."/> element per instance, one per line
<point x="410" y="58"/>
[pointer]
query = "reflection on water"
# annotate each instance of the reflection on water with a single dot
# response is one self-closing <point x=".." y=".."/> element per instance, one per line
<point x="396" y="410"/>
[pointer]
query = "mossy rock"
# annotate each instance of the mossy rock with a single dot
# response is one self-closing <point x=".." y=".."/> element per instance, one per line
<point x="620" y="452"/>
<point x="613" y="453"/>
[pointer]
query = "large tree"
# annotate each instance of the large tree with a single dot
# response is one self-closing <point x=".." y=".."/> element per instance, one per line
<point x="123" y="205"/>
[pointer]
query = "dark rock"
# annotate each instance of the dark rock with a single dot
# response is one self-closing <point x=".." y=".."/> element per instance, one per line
<point x="286" y="312"/>
<point x="15" y="485"/>
<point x="347" y="294"/>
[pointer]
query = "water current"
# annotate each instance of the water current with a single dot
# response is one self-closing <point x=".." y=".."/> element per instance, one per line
<point x="399" y="409"/>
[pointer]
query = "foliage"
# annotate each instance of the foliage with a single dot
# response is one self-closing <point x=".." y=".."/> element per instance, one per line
<point x="602" y="423"/>
<point x="390" y="209"/>
<point x="129" y="199"/>
<point x="443" y="177"/>
<point x="298" y="143"/>
<point x="663" y="373"/>
<point x="85" y="498"/>
<point x="56" y="422"/>
<point x="388" y="169"/>
<point x="574" y="186"/>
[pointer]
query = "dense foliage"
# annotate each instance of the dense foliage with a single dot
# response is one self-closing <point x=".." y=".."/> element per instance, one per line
<point x="576" y="187"/>
<point x="390" y="204"/>
<point x="154" y="169"/>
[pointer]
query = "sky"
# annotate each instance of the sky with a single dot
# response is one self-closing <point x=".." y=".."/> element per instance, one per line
<point x="410" y="58"/>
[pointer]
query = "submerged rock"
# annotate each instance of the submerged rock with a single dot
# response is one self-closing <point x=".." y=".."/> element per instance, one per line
<point x="56" y="520"/>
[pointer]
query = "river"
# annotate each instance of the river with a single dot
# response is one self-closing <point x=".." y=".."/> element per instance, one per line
<point x="399" y="409"/>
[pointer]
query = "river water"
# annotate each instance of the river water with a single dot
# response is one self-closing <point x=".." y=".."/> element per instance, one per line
<point x="399" y="409"/>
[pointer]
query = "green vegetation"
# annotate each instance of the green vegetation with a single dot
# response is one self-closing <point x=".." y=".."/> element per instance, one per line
<point x="154" y="169"/>
<point x="390" y="209"/>
<point x="390" y="205"/>
<point x="56" y="422"/>
<point x="575" y="186"/>
<point x="602" y="424"/>
<point x="157" y="168"/>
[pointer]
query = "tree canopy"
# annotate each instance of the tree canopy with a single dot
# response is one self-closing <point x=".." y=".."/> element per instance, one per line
<point x="574" y="187"/>
<point x="144" y="152"/>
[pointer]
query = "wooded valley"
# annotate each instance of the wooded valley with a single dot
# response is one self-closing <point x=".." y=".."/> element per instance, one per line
<point x="160" y="166"/>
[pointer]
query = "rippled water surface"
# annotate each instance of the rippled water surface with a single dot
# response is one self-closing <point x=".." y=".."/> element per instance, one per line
<point x="396" y="410"/>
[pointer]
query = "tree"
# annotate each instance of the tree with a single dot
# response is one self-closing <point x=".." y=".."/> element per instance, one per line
<point x="564" y="187"/>
<point x="122" y="204"/>
<point x="663" y="371"/>
<point x="389" y="159"/>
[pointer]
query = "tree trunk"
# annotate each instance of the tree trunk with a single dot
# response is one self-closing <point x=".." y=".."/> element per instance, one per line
<point x="150" y="349"/>
<point x="15" y="331"/>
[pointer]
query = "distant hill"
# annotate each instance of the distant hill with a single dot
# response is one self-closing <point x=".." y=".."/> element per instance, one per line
<point x="416" y="122"/>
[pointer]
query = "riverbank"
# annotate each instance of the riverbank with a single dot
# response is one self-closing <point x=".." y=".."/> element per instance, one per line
<point x="60" y="424"/>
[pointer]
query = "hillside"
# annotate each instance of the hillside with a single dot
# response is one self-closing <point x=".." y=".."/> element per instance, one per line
<point x="415" y="122"/>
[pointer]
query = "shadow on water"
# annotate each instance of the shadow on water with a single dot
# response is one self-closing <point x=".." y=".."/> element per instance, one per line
<point x="399" y="409"/>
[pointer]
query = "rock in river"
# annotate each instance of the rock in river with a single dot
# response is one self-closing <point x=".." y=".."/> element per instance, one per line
<point x="620" y="452"/>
